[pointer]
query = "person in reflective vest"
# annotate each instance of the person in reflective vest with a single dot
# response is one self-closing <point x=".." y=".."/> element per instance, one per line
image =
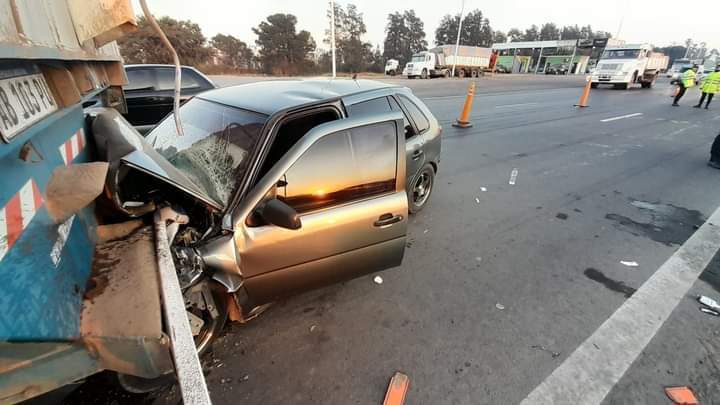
<point x="687" y="80"/>
<point x="710" y="86"/>
<point x="715" y="154"/>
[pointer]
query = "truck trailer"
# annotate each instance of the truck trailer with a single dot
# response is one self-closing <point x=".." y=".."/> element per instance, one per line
<point x="471" y="61"/>
<point x="626" y="65"/>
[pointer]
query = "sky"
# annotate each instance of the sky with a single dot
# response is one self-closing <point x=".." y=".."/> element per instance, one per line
<point x="657" y="24"/>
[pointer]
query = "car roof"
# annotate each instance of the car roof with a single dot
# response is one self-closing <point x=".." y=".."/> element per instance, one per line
<point x="269" y="97"/>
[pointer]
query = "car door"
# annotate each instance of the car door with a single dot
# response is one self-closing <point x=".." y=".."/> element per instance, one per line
<point x="344" y="184"/>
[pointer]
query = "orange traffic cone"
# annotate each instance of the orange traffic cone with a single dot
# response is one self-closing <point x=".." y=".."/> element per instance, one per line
<point x="585" y="94"/>
<point x="464" y="120"/>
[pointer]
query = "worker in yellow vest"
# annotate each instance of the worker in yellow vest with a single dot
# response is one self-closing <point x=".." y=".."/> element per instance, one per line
<point x="710" y="86"/>
<point x="687" y="80"/>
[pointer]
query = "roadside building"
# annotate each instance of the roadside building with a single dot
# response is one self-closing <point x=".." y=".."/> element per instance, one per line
<point x="578" y="56"/>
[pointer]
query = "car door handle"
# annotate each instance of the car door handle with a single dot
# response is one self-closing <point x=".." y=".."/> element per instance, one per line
<point x="417" y="154"/>
<point x="387" y="219"/>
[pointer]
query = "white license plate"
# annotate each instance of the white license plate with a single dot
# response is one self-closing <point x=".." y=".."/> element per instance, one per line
<point x="24" y="100"/>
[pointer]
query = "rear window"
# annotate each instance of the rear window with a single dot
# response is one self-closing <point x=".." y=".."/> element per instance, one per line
<point x="416" y="115"/>
<point x="165" y="79"/>
<point x="139" y="79"/>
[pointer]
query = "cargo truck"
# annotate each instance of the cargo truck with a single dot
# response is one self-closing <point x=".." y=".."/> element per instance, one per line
<point x="471" y="61"/>
<point x="624" y="66"/>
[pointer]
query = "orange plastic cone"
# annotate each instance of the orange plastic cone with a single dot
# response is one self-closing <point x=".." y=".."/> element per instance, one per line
<point x="464" y="120"/>
<point x="585" y="94"/>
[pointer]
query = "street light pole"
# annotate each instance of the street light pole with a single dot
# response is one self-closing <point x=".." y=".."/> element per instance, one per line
<point x="457" y="43"/>
<point x="332" y="37"/>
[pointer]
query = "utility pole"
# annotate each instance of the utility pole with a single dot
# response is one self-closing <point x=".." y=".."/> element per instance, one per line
<point x="617" y="34"/>
<point x="332" y="37"/>
<point x="457" y="43"/>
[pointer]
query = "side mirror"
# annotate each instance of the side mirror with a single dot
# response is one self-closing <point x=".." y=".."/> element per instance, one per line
<point x="280" y="214"/>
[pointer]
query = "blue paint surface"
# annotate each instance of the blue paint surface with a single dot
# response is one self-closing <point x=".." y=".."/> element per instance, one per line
<point x="38" y="300"/>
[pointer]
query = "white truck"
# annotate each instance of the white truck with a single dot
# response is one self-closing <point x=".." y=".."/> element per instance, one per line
<point x="391" y="67"/>
<point x="471" y="61"/>
<point x="623" y="66"/>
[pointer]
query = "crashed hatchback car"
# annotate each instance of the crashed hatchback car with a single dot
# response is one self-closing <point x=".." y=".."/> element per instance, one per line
<point x="287" y="186"/>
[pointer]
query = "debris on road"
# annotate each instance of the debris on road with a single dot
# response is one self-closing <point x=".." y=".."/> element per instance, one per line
<point x="709" y="302"/>
<point x="397" y="390"/>
<point x="709" y="311"/>
<point x="544" y="349"/>
<point x="499" y="306"/>
<point x="483" y="189"/>
<point x="426" y="231"/>
<point x="561" y="215"/>
<point x="477" y="200"/>
<point x="312" y="328"/>
<point x="378" y="280"/>
<point x="513" y="177"/>
<point x="681" y="395"/>
<point x="629" y="264"/>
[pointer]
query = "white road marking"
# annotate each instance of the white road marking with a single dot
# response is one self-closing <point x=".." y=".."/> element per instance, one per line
<point x="513" y="177"/>
<point x="515" y="105"/>
<point x="621" y="117"/>
<point x="593" y="369"/>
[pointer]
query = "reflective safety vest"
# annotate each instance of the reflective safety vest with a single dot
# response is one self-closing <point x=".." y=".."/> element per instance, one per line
<point x="711" y="84"/>
<point x="688" y="78"/>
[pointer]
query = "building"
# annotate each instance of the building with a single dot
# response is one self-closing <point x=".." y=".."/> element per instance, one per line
<point x="580" y="55"/>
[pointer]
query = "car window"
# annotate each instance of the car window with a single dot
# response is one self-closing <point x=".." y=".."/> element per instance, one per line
<point x="409" y="130"/>
<point x="370" y="107"/>
<point x="165" y="79"/>
<point x="343" y="167"/>
<point x="139" y="79"/>
<point x="215" y="149"/>
<point x="417" y="116"/>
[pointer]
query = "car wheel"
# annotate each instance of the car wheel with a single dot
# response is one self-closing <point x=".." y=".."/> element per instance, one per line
<point x="424" y="74"/>
<point x="447" y="73"/>
<point x="422" y="187"/>
<point x="594" y="85"/>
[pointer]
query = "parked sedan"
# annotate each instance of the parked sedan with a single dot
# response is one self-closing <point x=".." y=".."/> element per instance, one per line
<point x="557" y="70"/>
<point x="150" y="90"/>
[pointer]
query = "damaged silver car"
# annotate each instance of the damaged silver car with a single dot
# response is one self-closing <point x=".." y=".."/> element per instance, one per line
<point x="282" y="187"/>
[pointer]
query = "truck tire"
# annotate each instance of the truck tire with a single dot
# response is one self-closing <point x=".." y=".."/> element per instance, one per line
<point x="461" y="73"/>
<point x="392" y="73"/>
<point x="424" y="74"/>
<point x="474" y="73"/>
<point x="447" y="73"/>
<point x="621" y="86"/>
<point x="594" y="85"/>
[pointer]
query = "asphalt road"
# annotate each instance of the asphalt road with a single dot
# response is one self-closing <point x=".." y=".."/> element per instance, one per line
<point x="500" y="287"/>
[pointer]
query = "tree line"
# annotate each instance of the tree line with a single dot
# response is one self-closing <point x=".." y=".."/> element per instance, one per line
<point x="283" y="50"/>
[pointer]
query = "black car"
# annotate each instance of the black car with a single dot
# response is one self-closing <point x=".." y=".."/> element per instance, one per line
<point x="502" y="69"/>
<point x="150" y="88"/>
<point x="557" y="70"/>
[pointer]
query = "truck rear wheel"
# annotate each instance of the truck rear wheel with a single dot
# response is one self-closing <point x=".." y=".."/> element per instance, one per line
<point x="424" y="74"/>
<point x="461" y="73"/>
<point x="594" y="85"/>
<point x="474" y="73"/>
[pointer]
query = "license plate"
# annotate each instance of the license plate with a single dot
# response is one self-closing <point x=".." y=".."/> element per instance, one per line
<point x="24" y="100"/>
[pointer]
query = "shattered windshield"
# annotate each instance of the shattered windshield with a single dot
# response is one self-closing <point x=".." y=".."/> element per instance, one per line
<point x="215" y="149"/>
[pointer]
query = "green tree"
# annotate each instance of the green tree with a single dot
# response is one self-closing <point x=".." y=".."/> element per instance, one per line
<point x="570" y="32"/>
<point x="549" y="31"/>
<point x="531" y="34"/>
<point x="144" y="46"/>
<point x="499" y="37"/>
<point x="352" y="53"/>
<point x="234" y="52"/>
<point x="404" y="35"/>
<point x="515" y="35"/>
<point x="282" y="49"/>
<point x="476" y="30"/>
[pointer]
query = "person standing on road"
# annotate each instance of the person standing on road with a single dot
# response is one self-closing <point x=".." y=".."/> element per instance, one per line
<point x="685" y="82"/>
<point x="710" y="86"/>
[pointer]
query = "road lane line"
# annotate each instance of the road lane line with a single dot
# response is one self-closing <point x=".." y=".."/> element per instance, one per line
<point x="593" y="369"/>
<point x="513" y="177"/>
<point x="515" y="105"/>
<point x="621" y="117"/>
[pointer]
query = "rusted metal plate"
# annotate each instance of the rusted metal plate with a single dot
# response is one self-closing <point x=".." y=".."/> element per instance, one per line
<point x="102" y="20"/>
<point x="123" y="294"/>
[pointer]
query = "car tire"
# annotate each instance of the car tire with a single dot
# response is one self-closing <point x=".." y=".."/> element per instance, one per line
<point x="594" y="85"/>
<point x="424" y="74"/>
<point x="421" y="189"/>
